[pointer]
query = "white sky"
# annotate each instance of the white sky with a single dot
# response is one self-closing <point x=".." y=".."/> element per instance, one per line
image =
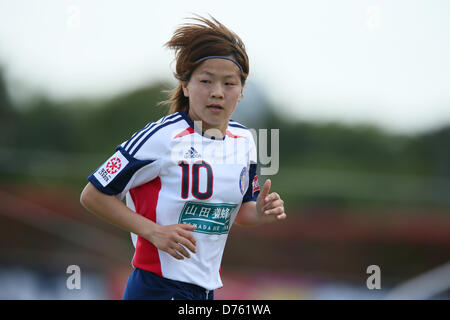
<point x="383" y="62"/>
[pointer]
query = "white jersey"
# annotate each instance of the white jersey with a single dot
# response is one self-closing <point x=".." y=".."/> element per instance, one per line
<point x="170" y="172"/>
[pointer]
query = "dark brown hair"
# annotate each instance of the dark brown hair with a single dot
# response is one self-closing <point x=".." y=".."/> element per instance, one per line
<point x="193" y="41"/>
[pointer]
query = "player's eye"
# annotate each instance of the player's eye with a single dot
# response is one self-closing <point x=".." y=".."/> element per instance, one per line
<point x="205" y="81"/>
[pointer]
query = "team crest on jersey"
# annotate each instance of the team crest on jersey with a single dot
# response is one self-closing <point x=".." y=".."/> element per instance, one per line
<point x="111" y="168"/>
<point x="255" y="185"/>
<point x="243" y="180"/>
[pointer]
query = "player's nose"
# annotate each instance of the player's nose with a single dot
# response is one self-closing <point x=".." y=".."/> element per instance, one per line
<point x="217" y="91"/>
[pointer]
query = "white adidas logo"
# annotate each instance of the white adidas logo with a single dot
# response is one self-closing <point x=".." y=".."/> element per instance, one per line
<point x="192" y="153"/>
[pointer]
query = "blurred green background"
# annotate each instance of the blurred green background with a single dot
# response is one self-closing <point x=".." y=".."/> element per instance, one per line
<point x="355" y="196"/>
<point x="359" y="90"/>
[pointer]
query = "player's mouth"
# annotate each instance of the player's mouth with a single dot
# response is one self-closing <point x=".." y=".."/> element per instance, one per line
<point x="215" y="107"/>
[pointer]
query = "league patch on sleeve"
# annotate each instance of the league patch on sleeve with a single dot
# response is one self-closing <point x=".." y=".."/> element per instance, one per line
<point x="255" y="185"/>
<point x="111" y="168"/>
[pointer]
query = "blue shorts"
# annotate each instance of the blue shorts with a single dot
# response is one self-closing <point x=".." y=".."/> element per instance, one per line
<point x="145" y="285"/>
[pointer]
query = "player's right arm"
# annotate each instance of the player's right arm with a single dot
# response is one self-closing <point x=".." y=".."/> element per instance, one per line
<point x="131" y="166"/>
<point x="172" y="239"/>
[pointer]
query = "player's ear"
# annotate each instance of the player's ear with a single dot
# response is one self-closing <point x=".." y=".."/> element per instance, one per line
<point x="184" y="85"/>
<point x="241" y="95"/>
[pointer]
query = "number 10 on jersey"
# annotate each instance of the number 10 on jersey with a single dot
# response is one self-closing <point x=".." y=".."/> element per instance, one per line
<point x="193" y="175"/>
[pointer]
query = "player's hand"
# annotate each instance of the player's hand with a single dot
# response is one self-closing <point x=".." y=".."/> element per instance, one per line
<point x="174" y="239"/>
<point x="270" y="205"/>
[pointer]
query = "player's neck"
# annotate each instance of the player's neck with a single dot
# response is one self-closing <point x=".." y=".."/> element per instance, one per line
<point x="218" y="132"/>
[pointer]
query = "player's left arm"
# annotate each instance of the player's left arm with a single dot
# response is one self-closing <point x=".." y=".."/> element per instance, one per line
<point x="266" y="209"/>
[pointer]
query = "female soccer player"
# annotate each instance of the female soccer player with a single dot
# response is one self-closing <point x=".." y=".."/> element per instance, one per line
<point x="188" y="176"/>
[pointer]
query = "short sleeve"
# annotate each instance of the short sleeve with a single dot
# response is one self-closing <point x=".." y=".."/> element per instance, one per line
<point x="138" y="160"/>
<point x="253" y="184"/>
<point x="117" y="174"/>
